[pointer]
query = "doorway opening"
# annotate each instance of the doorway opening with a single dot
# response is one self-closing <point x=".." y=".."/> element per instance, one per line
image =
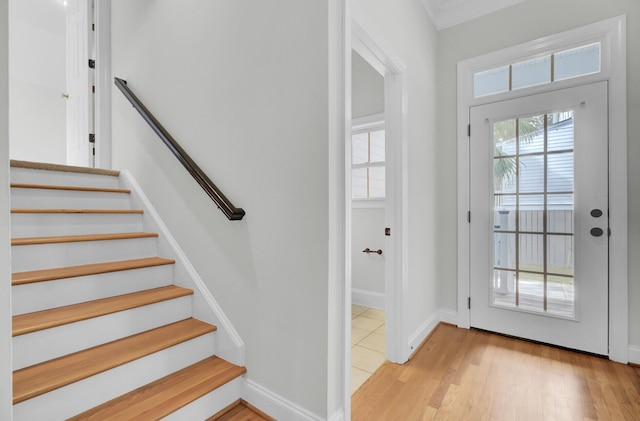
<point x="58" y="60"/>
<point x="368" y="209"/>
<point x="385" y="300"/>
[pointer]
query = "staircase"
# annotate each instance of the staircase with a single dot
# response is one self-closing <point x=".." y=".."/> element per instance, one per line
<point x="109" y="321"/>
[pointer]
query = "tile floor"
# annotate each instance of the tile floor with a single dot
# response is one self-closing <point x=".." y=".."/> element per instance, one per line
<point x="368" y="347"/>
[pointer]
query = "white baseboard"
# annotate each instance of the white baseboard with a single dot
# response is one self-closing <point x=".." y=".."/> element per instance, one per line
<point x="634" y="354"/>
<point x="441" y="315"/>
<point x="276" y="406"/>
<point x="366" y="298"/>
<point x="338" y="416"/>
<point x="448" y="316"/>
<point x="423" y="331"/>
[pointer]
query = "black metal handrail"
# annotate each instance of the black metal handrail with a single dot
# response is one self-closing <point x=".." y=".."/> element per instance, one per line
<point x="205" y="182"/>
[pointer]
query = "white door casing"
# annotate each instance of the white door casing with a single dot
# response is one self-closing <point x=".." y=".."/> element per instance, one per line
<point x="103" y="83"/>
<point x="577" y="313"/>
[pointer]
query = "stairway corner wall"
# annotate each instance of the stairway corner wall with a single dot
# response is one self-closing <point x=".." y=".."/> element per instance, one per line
<point x="229" y="345"/>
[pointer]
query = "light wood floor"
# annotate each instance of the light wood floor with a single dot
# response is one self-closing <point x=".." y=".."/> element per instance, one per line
<point x="461" y="374"/>
<point x="241" y="411"/>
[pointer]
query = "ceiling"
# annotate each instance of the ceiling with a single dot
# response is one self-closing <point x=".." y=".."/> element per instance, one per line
<point x="446" y="13"/>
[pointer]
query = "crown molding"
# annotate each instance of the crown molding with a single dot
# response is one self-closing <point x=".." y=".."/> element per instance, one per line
<point x="447" y="13"/>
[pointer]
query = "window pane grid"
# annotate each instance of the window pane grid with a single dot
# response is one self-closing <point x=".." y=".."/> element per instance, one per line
<point x="567" y="234"/>
<point x="540" y="154"/>
<point x="368" y="164"/>
<point x="533" y="216"/>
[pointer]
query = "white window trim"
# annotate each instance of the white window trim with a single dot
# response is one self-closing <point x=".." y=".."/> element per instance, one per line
<point x="372" y="203"/>
<point x="612" y="35"/>
<point x="368" y="122"/>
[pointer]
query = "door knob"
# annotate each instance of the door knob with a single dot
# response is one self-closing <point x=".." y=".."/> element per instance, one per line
<point x="596" y="232"/>
<point x="596" y="213"/>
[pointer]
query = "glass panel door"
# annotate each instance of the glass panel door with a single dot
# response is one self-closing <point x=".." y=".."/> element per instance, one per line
<point x="538" y="228"/>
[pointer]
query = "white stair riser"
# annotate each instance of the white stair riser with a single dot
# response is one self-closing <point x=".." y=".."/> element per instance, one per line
<point x="62" y="292"/>
<point x="29" y="350"/>
<point x="42" y="225"/>
<point x="209" y="404"/>
<point x="47" y="256"/>
<point x="78" y="397"/>
<point x="41" y="346"/>
<point x="62" y="178"/>
<point x="67" y="199"/>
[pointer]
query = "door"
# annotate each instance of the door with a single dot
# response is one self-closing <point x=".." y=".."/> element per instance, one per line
<point x="80" y="150"/>
<point x="539" y="217"/>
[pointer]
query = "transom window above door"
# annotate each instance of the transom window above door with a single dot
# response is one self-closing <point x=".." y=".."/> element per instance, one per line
<point x="541" y="69"/>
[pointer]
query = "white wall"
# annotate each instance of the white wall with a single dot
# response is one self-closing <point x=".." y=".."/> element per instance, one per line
<point x="243" y="86"/>
<point x="367" y="269"/>
<point x="543" y="17"/>
<point x="5" y="271"/>
<point x="407" y="30"/>
<point x="37" y="80"/>
<point x="367" y="87"/>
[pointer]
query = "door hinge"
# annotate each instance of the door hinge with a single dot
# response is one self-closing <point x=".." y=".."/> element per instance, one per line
<point x="92" y="63"/>
<point x="469" y="216"/>
<point x="469" y="303"/>
<point x="93" y="27"/>
<point x="93" y="89"/>
<point x="92" y="138"/>
<point x="469" y="130"/>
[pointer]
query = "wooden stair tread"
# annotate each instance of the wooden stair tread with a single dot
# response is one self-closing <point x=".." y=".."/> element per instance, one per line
<point x="63" y="168"/>
<point x="21" y="278"/>
<point x="105" y="211"/>
<point x="80" y="238"/>
<point x="240" y="411"/>
<point x="164" y="396"/>
<point x="46" y="319"/>
<point x="71" y="188"/>
<point x="41" y="378"/>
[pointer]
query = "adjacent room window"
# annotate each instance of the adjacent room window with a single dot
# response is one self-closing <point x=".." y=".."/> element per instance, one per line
<point x="368" y="162"/>
<point x="555" y="66"/>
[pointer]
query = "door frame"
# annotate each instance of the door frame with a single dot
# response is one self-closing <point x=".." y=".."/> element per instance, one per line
<point x="104" y="84"/>
<point x="612" y="35"/>
<point x="349" y="27"/>
<point x="366" y="42"/>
